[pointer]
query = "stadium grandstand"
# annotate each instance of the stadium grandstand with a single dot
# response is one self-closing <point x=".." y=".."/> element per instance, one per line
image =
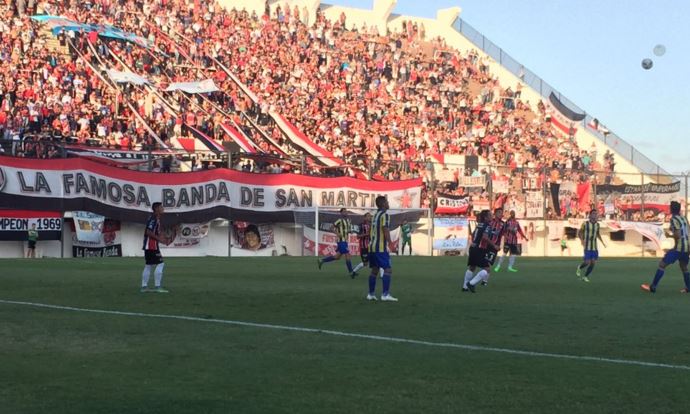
<point x="287" y="206"/>
<point x="300" y="87"/>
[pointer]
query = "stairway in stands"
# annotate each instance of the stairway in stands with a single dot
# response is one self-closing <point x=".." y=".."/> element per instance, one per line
<point x="52" y="42"/>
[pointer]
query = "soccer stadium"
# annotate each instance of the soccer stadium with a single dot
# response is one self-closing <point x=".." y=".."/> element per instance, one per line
<point x="213" y="206"/>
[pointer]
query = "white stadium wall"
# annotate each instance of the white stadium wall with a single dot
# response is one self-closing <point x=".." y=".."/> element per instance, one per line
<point x="16" y="249"/>
<point x="288" y="240"/>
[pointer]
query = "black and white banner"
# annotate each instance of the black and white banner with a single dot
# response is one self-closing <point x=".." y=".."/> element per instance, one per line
<point x="79" y="184"/>
<point x="187" y="234"/>
<point x="108" y="244"/>
<point x="628" y="198"/>
<point x="120" y="158"/>
<point x="15" y="224"/>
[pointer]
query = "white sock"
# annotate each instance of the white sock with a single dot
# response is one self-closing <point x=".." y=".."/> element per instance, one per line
<point x="381" y="272"/>
<point x="500" y="261"/>
<point x="486" y="277"/>
<point x="145" y="276"/>
<point x="468" y="277"/>
<point x="479" y="277"/>
<point x="511" y="261"/>
<point x="359" y="266"/>
<point x="158" y="274"/>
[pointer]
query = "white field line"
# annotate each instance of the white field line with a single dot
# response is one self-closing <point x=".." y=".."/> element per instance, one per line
<point x="356" y="335"/>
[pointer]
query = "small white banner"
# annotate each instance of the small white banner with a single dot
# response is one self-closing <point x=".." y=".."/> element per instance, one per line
<point x="88" y="226"/>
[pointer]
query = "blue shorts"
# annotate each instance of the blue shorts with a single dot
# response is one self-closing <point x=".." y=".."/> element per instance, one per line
<point x="382" y="260"/>
<point x="343" y="248"/>
<point x="591" y="255"/>
<point x="672" y="255"/>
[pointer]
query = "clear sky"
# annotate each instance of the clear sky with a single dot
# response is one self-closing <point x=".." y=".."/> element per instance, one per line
<point x="590" y="51"/>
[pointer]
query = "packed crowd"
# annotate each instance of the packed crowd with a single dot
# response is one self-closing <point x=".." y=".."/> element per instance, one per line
<point x="382" y="103"/>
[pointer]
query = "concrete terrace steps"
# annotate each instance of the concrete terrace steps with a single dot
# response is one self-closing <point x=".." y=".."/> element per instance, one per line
<point x="52" y="43"/>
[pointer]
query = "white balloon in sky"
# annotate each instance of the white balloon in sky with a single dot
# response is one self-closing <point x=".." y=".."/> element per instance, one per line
<point x="659" y="50"/>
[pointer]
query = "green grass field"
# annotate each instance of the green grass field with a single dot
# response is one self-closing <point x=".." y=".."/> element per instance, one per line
<point x="66" y="361"/>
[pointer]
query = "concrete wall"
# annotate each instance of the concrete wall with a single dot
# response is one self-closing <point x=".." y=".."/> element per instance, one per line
<point x="288" y="239"/>
<point x="257" y="6"/>
<point x="15" y="249"/>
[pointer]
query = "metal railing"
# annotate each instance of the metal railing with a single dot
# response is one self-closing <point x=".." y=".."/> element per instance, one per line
<point x="563" y="194"/>
<point x="618" y="144"/>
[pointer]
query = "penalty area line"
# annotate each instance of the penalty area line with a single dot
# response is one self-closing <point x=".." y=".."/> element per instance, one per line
<point x="447" y="345"/>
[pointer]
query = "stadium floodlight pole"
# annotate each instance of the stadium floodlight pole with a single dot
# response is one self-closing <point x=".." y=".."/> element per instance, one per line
<point x="429" y="230"/>
<point x="316" y="231"/>
<point x="230" y="237"/>
<point x="594" y="191"/>
<point x="642" y="205"/>
<point x="687" y="174"/>
<point x="432" y="200"/>
<point x="62" y="236"/>
<point x="544" y="190"/>
<point x="490" y="187"/>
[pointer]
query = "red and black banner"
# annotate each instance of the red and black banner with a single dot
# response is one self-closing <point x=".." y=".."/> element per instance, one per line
<point x="83" y="185"/>
<point x="564" y="118"/>
<point x="452" y="204"/>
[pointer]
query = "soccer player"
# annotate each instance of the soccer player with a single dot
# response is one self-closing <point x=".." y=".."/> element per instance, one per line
<point x="364" y="238"/>
<point x="512" y="230"/>
<point x="496" y="231"/>
<point x="564" y="244"/>
<point x="33" y="238"/>
<point x="680" y="251"/>
<point x="406" y="231"/>
<point x="479" y="256"/>
<point x="152" y="253"/>
<point x="588" y="234"/>
<point x="379" y="247"/>
<point x="343" y="228"/>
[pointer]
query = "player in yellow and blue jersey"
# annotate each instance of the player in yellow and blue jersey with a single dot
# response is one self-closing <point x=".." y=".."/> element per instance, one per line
<point x="379" y="247"/>
<point x="680" y="251"/>
<point x="589" y="234"/>
<point x="343" y="228"/>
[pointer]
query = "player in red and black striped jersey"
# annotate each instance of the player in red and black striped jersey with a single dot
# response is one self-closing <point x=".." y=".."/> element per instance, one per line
<point x="512" y="245"/>
<point x="364" y="237"/>
<point x="480" y="252"/>
<point x="496" y="232"/>
<point x="152" y="253"/>
<point x="497" y="226"/>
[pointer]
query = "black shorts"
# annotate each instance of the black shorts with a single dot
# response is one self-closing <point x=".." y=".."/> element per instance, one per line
<point x="475" y="257"/>
<point x="364" y="254"/>
<point x="32" y="244"/>
<point x="153" y="257"/>
<point x="514" y="249"/>
<point x="489" y="257"/>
